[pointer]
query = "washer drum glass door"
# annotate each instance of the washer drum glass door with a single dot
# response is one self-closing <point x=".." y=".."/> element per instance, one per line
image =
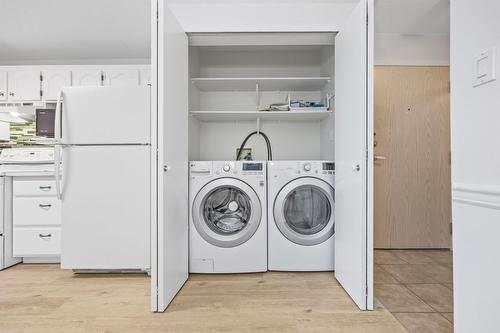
<point x="304" y="211"/>
<point x="226" y="212"/>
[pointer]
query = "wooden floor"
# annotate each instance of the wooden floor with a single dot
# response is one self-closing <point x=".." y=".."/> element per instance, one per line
<point x="417" y="287"/>
<point x="44" y="298"/>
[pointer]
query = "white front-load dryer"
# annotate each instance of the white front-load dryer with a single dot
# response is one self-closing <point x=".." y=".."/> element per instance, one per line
<point x="228" y="217"/>
<point x="301" y="208"/>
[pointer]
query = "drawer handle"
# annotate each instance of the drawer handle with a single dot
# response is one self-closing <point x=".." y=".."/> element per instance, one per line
<point x="44" y="205"/>
<point x="45" y="235"/>
<point x="45" y="188"/>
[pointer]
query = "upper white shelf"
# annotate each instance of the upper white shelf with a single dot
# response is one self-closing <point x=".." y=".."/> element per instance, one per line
<point x="264" y="83"/>
<point x="263" y="115"/>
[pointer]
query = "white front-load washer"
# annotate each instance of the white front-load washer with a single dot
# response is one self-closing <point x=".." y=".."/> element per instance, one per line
<point x="301" y="208"/>
<point x="228" y="217"/>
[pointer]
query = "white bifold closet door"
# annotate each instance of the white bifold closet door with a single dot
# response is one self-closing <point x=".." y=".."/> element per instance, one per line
<point x="169" y="249"/>
<point x="354" y="155"/>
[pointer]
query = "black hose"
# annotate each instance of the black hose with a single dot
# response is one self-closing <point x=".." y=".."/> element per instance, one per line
<point x="268" y="144"/>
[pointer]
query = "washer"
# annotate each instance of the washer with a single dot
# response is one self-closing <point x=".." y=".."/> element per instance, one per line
<point x="301" y="208"/>
<point x="228" y="217"/>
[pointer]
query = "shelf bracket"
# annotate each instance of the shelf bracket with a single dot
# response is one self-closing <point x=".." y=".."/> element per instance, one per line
<point x="258" y="125"/>
<point x="257" y="96"/>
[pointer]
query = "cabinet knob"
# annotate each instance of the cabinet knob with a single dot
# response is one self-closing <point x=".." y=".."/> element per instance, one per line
<point x="11" y="94"/>
<point x="2" y="94"/>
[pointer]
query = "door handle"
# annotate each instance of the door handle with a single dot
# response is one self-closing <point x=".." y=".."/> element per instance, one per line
<point x="45" y="188"/>
<point x="44" y="205"/>
<point x="357" y="167"/>
<point x="379" y="158"/>
<point x="166" y="168"/>
<point x="44" y="235"/>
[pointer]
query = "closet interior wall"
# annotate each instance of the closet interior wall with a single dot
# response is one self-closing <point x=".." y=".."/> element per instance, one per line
<point x="221" y="83"/>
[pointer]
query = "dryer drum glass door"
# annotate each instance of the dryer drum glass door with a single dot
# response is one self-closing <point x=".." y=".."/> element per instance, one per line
<point x="304" y="211"/>
<point x="226" y="212"/>
<point x="307" y="210"/>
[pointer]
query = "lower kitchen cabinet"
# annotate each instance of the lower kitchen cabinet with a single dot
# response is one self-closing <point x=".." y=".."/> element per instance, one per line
<point x="36" y="218"/>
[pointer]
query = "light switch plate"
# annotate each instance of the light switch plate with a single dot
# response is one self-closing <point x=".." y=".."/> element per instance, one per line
<point x="484" y="67"/>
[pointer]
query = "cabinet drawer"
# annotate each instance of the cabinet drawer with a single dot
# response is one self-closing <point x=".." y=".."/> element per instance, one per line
<point x="37" y="242"/>
<point x="34" y="187"/>
<point x="36" y="211"/>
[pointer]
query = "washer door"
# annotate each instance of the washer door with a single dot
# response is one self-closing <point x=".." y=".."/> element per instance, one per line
<point x="226" y="212"/>
<point x="304" y="211"/>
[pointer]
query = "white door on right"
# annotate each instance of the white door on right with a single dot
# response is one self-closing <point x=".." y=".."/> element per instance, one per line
<point x="354" y="155"/>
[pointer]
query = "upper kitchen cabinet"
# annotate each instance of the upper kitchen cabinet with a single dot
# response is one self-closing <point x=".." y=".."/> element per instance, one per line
<point x="87" y="77"/>
<point x="3" y="85"/>
<point x="24" y="85"/>
<point x="145" y="77"/>
<point x="121" y="77"/>
<point x="52" y="82"/>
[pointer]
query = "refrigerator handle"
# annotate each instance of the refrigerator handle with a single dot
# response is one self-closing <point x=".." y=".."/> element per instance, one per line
<point x="57" y="120"/>
<point x="57" y="169"/>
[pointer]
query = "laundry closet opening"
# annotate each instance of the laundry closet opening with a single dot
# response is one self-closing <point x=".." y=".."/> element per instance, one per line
<point x="261" y="92"/>
<point x="234" y="75"/>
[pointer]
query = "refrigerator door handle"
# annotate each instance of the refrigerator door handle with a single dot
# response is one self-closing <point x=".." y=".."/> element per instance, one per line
<point x="57" y="125"/>
<point x="57" y="169"/>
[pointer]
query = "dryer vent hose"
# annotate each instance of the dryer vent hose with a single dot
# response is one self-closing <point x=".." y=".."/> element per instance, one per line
<point x="268" y="144"/>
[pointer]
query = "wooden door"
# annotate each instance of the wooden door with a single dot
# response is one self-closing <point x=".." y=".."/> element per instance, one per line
<point x="412" y="176"/>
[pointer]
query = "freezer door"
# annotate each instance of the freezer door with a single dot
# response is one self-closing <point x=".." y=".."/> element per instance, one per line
<point x="105" y="207"/>
<point x="105" y="115"/>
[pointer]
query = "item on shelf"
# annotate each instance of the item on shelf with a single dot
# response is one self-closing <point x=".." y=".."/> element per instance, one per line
<point x="277" y="107"/>
<point x="306" y="104"/>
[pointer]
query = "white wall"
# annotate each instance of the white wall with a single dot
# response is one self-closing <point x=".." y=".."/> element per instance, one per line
<point x="262" y="16"/>
<point x="412" y="49"/>
<point x="475" y="131"/>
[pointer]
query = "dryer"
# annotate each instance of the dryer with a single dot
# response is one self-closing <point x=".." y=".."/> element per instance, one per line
<point x="228" y="217"/>
<point x="301" y="208"/>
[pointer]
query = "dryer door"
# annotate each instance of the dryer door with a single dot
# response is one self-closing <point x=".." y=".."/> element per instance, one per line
<point x="304" y="211"/>
<point x="226" y="212"/>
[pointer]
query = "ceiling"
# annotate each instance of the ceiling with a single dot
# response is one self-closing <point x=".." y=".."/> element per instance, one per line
<point x="54" y="30"/>
<point x="412" y="16"/>
<point x="86" y="31"/>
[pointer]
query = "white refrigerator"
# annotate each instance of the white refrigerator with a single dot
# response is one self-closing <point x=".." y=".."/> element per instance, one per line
<point x="104" y="152"/>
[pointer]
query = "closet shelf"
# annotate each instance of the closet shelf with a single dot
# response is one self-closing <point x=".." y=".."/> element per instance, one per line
<point x="263" y="115"/>
<point x="264" y="83"/>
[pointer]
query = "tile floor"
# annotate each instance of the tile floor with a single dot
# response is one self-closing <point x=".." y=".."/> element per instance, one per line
<point x="416" y="286"/>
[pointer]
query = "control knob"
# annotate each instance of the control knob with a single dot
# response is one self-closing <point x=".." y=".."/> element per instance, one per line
<point x="307" y="167"/>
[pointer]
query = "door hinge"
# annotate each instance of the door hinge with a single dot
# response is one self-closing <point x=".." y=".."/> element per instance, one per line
<point x="451" y="228"/>
<point x="41" y="77"/>
<point x="102" y="78"/>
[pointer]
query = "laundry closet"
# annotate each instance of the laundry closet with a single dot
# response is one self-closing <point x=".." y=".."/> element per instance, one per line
<point x="309" y="92"/>
<point x="232" y="76"/>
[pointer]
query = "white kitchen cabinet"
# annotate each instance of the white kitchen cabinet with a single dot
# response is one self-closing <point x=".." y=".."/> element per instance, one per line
<point x="145" y="77"/>
<point x="86" y="77"/>
<point x="3" y="85"/>
<point x="52" y="82"/>
<point x="36" y="214"/>
<point x="24" y="85"/>
<point x="121" y="77"/>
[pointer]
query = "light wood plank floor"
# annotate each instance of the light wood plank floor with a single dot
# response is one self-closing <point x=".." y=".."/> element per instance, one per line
<point x="44" y="298"/>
